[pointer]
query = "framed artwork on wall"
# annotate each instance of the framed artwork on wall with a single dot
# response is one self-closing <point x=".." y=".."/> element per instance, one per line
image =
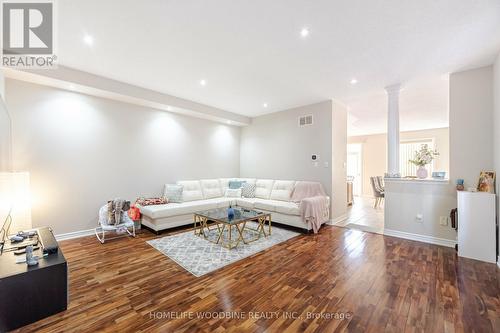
<point x="486" y="182"/>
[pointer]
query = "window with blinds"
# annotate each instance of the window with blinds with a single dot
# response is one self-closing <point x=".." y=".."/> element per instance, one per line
<point x="407" y="152"/>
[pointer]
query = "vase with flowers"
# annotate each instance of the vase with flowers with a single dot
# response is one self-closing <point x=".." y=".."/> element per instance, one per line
<point x="423" y="157"/>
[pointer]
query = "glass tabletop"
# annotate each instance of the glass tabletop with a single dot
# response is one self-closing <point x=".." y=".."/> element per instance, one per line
<point x="240" y="215"/>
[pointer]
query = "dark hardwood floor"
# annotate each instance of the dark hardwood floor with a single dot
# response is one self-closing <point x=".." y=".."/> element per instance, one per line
<point x="368" y="282"/>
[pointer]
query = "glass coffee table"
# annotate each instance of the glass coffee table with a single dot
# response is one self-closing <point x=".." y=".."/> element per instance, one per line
<point x="230" y="232"/>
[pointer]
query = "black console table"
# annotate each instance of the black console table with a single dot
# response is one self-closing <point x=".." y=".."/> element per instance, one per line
<point x="29" y="294"/>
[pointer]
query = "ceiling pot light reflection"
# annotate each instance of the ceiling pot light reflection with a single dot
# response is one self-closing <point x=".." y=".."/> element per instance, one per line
<point x="89" y="40"/>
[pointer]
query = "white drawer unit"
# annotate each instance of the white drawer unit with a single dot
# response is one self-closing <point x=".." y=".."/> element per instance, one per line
<point x="476" y="226"/>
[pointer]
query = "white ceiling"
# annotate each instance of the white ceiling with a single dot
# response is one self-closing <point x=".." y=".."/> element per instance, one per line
<point x="423" y="104"/>
<point x="251" y="52"/>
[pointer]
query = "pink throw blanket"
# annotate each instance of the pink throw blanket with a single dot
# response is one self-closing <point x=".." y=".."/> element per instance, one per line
<point x="304" y="190"/>
<point x="314" y="211"/>
<point x="313" y="203"/>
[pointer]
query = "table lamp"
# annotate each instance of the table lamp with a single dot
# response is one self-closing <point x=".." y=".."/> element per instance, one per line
<point x="15" y="200"/>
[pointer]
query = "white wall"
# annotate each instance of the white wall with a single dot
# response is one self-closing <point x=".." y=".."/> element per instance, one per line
<point x="82" y="150"/>
<point x="374" y="152"/>
<point x="275" y="147"/>
<point x="404" y="200"/>
<point x="471" y="124"/>
<point x="4" y="130"/>
<point x="339" y="160"/>
<point x="2" y="85"/>
<point x="471" y="150"/>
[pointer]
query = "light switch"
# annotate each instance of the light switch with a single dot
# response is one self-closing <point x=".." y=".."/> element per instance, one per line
<point x="326" y="164"/>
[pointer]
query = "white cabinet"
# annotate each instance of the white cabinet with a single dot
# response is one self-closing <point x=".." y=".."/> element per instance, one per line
<point x="476" y="226"/>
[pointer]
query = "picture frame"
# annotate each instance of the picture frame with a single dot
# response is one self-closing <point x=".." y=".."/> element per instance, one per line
<point x="486" y="182"/>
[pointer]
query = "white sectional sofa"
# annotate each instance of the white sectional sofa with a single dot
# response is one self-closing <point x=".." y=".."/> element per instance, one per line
<point x="272" y="196"/>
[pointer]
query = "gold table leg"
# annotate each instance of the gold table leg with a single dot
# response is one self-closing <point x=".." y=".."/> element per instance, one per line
<point x="221" y="232"/>
<point x="269" y="217"/>
<point x="240" y="232"/>
<point x="197" y="230"/>
<point x="200" y="223"/>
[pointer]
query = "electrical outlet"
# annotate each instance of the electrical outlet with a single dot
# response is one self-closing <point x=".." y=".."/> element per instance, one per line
<point x="419" y="218"/>
<point x="443" y="220"/>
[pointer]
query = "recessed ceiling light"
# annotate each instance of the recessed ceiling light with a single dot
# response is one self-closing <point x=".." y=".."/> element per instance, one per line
<point x="264" y="105"/>
<point x="354" y="81"/>
<point x="89" y="40"/>
<point x="169" y="108"/>
<point x="71" y="87"/>
<point x="304" y="32"/>
<point x="203" y="82"/>
<point x="228" y="122"/>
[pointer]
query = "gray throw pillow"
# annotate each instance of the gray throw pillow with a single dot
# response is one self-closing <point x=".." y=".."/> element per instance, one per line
<point x="248" y="190"/>
<point x="173" y="192"/>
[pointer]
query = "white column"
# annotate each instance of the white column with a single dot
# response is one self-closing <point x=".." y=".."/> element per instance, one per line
<point x="393" y="130"/>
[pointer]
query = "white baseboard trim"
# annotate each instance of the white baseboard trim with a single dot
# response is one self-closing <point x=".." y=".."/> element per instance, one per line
<point x="75" y="234"/>
<point x="420" y="238"/>
<point x="337" y="220"/>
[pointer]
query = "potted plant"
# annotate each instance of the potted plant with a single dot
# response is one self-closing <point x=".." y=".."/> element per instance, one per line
<point x="423" y="157"/>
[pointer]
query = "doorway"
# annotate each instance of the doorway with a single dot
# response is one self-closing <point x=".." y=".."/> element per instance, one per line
<point x="361" y="215"/>
<point x="355" y="167"/>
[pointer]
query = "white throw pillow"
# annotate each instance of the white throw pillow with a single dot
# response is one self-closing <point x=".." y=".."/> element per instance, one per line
<point x="233" y="193"/>
<point x="191" y="190"/>
<point x="173" y="192"/>
<point x="282" y="190"/>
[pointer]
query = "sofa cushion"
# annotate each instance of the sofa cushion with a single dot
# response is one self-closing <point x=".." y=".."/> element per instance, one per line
<point x="289" y="208"/>
<point x="174" y="209"/>
<point x="173" y="192"/>
<point x="221" y="202"/>
<point x="268" y="205"/>
<point x="278" y="206"/>
<point x="245" y="202"/>
<point x="211" y="188"/>
<point x="282" y="190"/>
<point x="191" y="191"/>
<point x="224" y="183"/>
<point x="248" y="190"/>
<point x="263" y="188"/>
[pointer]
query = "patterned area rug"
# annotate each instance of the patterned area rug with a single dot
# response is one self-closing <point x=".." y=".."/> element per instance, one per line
<point x="199" y="256"/>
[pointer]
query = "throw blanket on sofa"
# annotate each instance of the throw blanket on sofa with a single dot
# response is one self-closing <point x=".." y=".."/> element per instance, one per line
<point x="314" y="211"/>
<point x="313" y="203"/>
<point x="304" y="190"/>
<point x="151" y="201"/>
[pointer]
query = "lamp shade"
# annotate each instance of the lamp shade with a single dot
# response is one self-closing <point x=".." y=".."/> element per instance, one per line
<point x="15" y="197"/>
